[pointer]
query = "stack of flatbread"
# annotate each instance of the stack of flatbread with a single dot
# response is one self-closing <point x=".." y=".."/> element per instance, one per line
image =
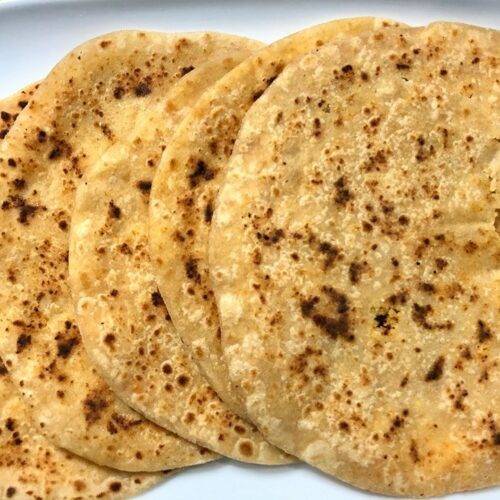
<point x="214" y="248"/>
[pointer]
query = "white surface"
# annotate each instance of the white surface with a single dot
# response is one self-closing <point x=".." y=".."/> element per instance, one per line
<point x="34" y="35"/>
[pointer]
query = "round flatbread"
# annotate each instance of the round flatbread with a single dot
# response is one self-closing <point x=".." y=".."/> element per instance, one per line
<point x="355" y="260"/>
<point x="89" y="102"/>
<point x="122" y="318"/>
<point x="186" y="184"/>
<point x="32" y="467"/>
<point x="29" y="464"/>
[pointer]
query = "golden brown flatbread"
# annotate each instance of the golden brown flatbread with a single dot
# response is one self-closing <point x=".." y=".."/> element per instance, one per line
<point x="32" y="467"/>
<point x="123" y="320"/>
<point x="29" y="465"/>
<point x="90" y="101"/>
<point x="186" y="184"/>
<point x="355" y="260"/>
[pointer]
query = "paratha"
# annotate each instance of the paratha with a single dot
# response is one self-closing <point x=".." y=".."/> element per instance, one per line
<point x="90" y="101"/>
<point x="32" y="467"/>
<point x="122" y="317"/>
<point x="186" y="184"/>
<point x="355" y="260"/>
<point x="29" y="464"/>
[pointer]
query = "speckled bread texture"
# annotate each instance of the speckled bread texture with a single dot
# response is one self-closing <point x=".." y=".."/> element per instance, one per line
<point x="11" y="106"/>
<point x="355" y="260"/>
<point x="31" y="467"/>
<point x="88" y="103"/>
<point x="187" y="182"/>
<point x="124" y="323"/>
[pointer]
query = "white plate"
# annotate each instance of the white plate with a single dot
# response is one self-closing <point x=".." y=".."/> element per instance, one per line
<point x="34" y="35"/>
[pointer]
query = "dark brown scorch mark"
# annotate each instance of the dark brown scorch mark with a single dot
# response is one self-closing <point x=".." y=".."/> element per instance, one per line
<point x="208" y="212"/>
<point x="191" y="268"/>
<point x="436" y="370"/>
<point x="331" y="253"/>
<point x="55" y="153"/>
<point x="399" y="298"/>
<point x="427" y="287"/>
<point x="123" y="422"/>
<point x="270" y="238"/>
<point x="65" y="345"/>
<point x="93" y="406"/>
<point x="142" y="90"/>
<point x="115" y="486"/>
<point x="118" y="92"/>
<point x="109" y="340"/>
<point x="3" y="369"/>
<point x="19" y="183"/>
<point x="157" y="299"/>
<point x="144" y="186"/>
<point x="441" y="263"/>
<point x="381" y="321"/>
<point x="414" y="451"/>
<point x="114" y="211"/>
<point x="23" y="341"/>
<point x="419" y="315"/>
<point x="182" y="380"/>
<point x="25" y="212"/>
<point x="483" y="332"/>
<point x="342" y="194"/>
<point x="186" y="69"/>
<point x="333" y="326"/>
<point x="200" y="172"/>
<point x="355" y="270"/>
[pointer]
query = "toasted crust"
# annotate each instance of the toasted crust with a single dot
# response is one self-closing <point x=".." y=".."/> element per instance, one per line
<point x="355" y="260"/>
<point x="186" y="185"/>
<point x="90" y="101"/>
<point x="32" y="467"/>
<point x="122" y="317"/>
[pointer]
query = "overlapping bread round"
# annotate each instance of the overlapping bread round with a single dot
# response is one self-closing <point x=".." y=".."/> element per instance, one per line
<point x="186" y="185"/>
<point x="354" y="258"/>
<point x="30" y="466"/>
<point x="89" y="102"/>
<point x="211" y="247"/>
<point x="123" y="320"/>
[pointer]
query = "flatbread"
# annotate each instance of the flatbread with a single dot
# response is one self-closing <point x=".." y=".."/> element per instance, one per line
<point x="29" y="464"/>
<point x="32" y="467"/>
<point x="89" y="102"/>
<point x="186" y="184"/>
<point x="355" y="260"/>
<point x="123" y="320"/>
